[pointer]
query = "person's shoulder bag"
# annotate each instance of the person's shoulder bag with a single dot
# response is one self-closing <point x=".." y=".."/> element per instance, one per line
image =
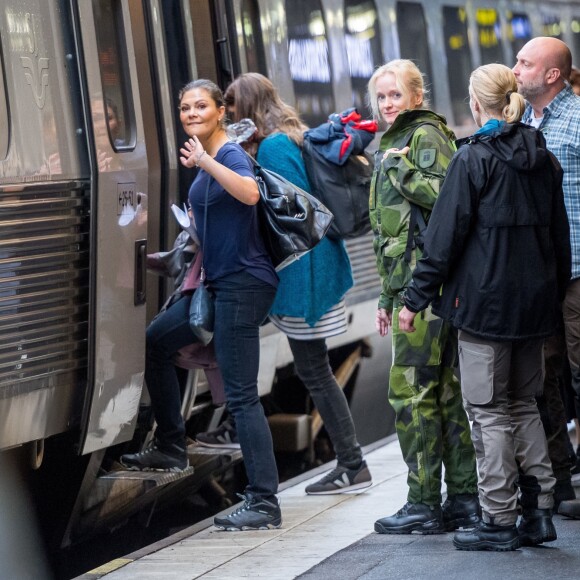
<point x="201" y="308"/>
<point x="291" y="220"/>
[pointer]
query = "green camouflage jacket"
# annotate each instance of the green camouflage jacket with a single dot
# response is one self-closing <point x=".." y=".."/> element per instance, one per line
<point x="399" y="180"/>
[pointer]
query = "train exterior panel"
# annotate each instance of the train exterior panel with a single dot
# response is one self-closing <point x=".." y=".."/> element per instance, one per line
<point x="89" y="140"/>
<point x="44" y="217"/>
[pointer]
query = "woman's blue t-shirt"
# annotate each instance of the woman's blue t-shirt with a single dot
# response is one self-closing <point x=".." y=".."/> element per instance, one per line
<point x="233" y="242"/>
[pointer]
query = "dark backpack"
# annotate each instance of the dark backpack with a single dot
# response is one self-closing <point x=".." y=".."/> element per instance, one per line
<point x="343" y="189"/>
<point x="342" y="186"/>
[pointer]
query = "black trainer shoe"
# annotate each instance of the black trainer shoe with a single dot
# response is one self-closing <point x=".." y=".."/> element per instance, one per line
<point x="155" y="459"/>
<point x="461" y="511"/>
<point x="253" y="514"/>
<point x="536" y="527"/>
<point x="413" y="517"/>
<point x="341" y="479"/>
<point x="570" y="509"/>
<point x="488" y="537"/>
<point x="224" y="436"/>
<point x="563" y="491"/>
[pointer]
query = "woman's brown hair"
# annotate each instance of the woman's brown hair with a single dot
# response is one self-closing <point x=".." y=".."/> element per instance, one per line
<point x="255" y="97"/>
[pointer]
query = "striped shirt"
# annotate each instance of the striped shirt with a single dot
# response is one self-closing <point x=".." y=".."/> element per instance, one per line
<point x="330" y="324"/>
<point x="561" y="128"/>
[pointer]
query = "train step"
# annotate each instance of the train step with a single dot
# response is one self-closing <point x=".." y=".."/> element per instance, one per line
<point x="127" y="492"/>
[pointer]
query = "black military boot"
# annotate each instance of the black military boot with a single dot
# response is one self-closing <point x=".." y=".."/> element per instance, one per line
<point x="488" y="537"/>
<point x="536" y="527"/>
<point x="413" y="517"/>
<point x="461" y="511"/>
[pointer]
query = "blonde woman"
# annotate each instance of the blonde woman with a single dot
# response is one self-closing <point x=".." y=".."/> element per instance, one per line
<point x="496" y="264"/>
<point x="431" y="423"/>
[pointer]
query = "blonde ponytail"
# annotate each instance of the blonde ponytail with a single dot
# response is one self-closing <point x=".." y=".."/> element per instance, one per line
<point x="495" y="87"/>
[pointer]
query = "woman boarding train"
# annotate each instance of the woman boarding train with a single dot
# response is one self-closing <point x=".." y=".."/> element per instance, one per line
<point x="241" y="277"/>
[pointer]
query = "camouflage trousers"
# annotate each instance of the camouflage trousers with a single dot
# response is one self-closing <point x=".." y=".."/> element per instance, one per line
<point x="431" y="422"/>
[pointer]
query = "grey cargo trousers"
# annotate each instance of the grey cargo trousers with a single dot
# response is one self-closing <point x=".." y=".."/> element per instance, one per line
<point x="499" y="383"/>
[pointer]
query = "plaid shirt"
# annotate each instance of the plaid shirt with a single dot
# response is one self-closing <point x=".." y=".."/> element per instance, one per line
<point x="561" y="128"/>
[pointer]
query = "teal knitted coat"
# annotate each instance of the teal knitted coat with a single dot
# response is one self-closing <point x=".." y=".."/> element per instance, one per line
<point x="310" y="286"/>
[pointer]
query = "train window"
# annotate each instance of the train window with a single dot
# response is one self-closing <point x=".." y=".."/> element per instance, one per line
<point x="551" y="26"/>
<point x="363" y="46"/>
<point x="252" y="34"/>
<point x="489" y="35"/>
<point x="459" y="65"/>
<point x="309" y="60"/>
<point x="115" y="79"/>
<point x="413" y="39"/>
<point x="519" y="31"/>
<point x="4" y="133"/>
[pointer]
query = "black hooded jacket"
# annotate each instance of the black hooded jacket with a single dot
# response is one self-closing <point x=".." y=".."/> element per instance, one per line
<point x="496" y="261"/>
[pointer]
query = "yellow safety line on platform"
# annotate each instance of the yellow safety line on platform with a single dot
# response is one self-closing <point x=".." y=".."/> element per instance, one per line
<point x="110" y="567"/>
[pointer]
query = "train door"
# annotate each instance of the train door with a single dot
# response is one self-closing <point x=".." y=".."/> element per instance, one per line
<point x="228" y="59"/>
<point x="119" y="178"/>
<point x="172" y="52"/>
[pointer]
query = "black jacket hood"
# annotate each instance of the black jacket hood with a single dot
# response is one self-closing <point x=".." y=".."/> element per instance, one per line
<point x="519" y="146"/>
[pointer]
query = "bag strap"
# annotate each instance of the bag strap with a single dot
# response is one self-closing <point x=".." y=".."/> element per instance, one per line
<point x="202" y="273"/>
<point x="416" y="219"/>
<point x="254" y="161"/>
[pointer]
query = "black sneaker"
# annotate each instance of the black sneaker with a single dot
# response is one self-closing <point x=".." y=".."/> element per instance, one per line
<point x="224" y="436"/>
<point x="413" y="517"/>
<point x="488" y="537"/>
<point x="253" y="514"/>
<point x="461" y="511"/>
<point x="341" y="479"/>
<point x="563" y="491"/>
<point x="154" y="459"/>
<point x="570" y="509"/>
<point x="536" y="527"/>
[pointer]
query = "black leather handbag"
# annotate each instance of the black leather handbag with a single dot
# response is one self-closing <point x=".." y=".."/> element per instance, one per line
<point x="291" y="220"/>
<point x="201" y="308"/>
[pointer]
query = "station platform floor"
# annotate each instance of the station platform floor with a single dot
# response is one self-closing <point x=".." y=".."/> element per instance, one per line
<point x="332" y="537"/>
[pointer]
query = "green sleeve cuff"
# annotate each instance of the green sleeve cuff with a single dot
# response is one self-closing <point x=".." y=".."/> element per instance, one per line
<point x="385" y="302"/>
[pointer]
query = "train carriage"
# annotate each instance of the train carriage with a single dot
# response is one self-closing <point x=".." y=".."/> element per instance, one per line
<point x="89" y="139"/>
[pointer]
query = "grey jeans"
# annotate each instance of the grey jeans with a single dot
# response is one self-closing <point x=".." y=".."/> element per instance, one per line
<point x="313" y="368"/>
<point x="499" y="383"/>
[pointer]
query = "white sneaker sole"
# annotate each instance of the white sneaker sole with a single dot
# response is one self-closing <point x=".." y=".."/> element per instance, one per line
<point x="219" y="445"/>
<point x="248" y="528"/>
<point x="338" y="490"/>
<point x="158" y="469"/>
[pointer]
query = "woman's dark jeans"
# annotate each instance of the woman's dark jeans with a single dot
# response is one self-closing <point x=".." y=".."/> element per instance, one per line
<point x="242" y="303"/>
<point x="166" y="334"/>
<point x="313" y="368"/>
